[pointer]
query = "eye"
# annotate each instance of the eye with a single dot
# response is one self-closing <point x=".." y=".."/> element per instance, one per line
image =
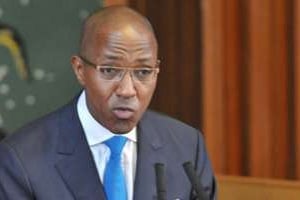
<point x="143" y="73"/>
<point x="109" y="72"/>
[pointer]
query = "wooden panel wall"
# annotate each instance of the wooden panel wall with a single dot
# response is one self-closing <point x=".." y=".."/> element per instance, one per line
<point x="221" y="83"/>
<point x="252" y="90"/>
<point x="268" y="65"/>
<point x="296" y="78"/>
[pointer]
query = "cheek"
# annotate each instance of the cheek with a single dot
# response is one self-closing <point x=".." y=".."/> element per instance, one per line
<point x="146" y="94"/>
<point x="103" y="96"/>
<point x="99" y="94"/>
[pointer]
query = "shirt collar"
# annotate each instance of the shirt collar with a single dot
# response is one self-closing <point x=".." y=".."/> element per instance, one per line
<point x="96" y="133"/>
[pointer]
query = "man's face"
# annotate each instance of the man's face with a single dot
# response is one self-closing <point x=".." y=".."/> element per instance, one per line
<point x="118" y="105"/>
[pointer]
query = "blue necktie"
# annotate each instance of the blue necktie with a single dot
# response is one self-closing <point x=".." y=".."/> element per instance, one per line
<point x="114" y="180"/>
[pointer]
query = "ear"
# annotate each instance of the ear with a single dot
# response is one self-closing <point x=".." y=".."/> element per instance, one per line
<point x="78" y="69"/>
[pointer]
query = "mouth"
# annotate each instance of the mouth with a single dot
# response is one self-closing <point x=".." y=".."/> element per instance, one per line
<point x="123" y="112"/>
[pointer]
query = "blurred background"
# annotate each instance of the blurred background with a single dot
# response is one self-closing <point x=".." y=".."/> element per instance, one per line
<point x="230" y="68"/>
<point x="37" y="39"/>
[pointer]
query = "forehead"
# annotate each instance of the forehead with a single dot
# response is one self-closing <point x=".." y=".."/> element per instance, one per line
<point x="124" y="41"/>
<point x="127" y="39"/>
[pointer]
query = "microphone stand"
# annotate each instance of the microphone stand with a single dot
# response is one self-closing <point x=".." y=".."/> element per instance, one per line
<point x="160" y="181"/>
<point x="191" y="174"/>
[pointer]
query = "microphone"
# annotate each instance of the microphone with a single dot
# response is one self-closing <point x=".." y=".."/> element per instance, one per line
<point x="191" y="174"/>
<point x="160" y="181"/>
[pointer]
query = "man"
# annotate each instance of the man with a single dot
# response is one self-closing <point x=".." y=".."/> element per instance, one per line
<point x="66" y="156"/>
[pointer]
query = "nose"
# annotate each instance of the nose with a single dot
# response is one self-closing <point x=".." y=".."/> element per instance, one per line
<point x="126" y="87"/>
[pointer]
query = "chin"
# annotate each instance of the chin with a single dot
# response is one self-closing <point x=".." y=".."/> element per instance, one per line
<point x="122" y="127"/>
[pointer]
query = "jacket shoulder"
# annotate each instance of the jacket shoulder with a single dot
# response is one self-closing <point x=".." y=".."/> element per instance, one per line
<point x="39" y="129"/>
<point x="165" y="120"/>
<point x="168" y="124"/>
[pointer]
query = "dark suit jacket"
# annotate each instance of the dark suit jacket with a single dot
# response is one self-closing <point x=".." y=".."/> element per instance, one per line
<point x="50" y="159"/>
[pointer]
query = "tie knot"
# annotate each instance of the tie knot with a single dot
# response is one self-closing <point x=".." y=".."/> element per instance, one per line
<point x="116" y="144"/>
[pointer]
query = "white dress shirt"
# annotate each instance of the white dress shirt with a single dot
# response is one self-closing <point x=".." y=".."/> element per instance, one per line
<point x="96" y="134"/>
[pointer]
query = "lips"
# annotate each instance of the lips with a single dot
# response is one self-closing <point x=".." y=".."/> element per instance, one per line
<point x="123" y="112"/>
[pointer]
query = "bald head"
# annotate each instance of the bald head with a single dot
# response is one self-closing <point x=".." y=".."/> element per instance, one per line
<point x="109" y="20"/>
<point x="117" y="40"/>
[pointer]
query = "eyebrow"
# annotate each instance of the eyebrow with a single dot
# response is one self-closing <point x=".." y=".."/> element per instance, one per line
<point x="144" y="59"/>
<point x="115" y="57"/>
<point x="112" y="57"/>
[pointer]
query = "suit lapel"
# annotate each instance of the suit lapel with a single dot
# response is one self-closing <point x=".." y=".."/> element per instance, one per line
<point x="150" y="146"/>
<point x="75" y="164"/>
